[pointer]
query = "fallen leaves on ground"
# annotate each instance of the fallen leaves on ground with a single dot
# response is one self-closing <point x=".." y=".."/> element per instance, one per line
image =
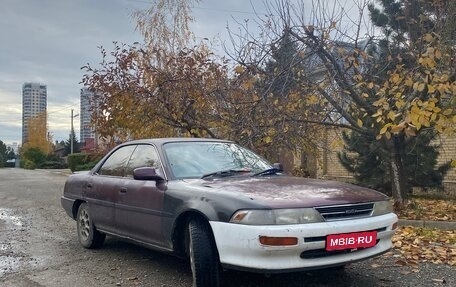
<point x="429" y="209"/>
<point x="417" y="244"/>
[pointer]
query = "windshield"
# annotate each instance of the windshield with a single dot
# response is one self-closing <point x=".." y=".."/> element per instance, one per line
<point x="195" y="159"/>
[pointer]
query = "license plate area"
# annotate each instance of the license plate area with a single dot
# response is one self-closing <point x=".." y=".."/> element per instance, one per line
<point x="351" y="240"/>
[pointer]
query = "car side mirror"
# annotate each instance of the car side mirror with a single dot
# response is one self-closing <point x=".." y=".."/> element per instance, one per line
<point x="146" y="173"/>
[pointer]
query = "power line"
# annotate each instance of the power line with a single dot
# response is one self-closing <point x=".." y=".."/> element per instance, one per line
<point x="64" y="108"/>
<point x="48" y="113"/>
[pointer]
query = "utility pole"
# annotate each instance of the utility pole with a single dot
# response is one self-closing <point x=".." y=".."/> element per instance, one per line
<point x="71" y="133"/>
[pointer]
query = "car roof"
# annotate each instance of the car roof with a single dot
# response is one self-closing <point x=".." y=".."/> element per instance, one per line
<point x="161" y="141"/>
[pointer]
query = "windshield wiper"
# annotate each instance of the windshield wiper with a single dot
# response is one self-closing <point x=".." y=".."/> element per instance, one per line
<point x="227" y="172"/>
<point x="268" y="171"/>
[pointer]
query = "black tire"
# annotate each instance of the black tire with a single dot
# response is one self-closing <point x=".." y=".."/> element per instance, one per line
<point x="203" y="255"/>
<point x="88" y="235"/>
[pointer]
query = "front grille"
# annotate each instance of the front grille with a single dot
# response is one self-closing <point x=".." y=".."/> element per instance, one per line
<point x="339" y="212"/>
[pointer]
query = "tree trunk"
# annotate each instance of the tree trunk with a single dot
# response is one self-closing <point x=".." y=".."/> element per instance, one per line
<point x="398" y="174"/>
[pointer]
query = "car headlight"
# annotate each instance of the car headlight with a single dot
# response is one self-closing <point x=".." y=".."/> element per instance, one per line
<point x="276" y="216"/>
<point x="382" y="207"/>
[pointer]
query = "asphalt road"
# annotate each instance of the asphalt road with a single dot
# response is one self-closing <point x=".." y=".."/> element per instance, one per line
<point x="39" y="247"/>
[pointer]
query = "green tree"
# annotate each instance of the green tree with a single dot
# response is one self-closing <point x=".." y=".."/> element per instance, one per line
<point x="281" y="72"/>
<point x="6" y="153"/>
<point x="415" y="50"/>
<point x="281" y="111"/>
<point x="33" y="157"/>
<point x="3" y="157"/>
<point x="76" y="145"/>
<point x="10" y="154"/>
<point x="366" y="158"/>
<point x="402" y="24"/>
<point x="406" y="21"/>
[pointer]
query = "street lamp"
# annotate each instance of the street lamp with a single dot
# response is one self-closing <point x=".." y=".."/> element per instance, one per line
<point x="72" y="131"/>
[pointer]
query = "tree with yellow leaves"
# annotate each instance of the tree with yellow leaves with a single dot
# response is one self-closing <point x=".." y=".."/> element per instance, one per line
<point x="137" y="97"/>
<point x="160" y="87"/>
<point x="386" y="91"/>
<point x="38" y="136"/>
<point x="39" y="144"/>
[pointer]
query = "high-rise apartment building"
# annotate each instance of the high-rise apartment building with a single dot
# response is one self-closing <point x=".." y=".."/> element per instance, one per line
<point x="87" y="133"/>
<point x="34" y="103"/>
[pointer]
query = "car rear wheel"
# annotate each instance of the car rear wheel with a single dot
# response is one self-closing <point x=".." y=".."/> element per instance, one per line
<point x="88" y="235"/>
<point x="203" y="254"/>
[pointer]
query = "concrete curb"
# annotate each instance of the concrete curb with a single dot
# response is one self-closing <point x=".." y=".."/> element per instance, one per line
<point x="443" y="225"/>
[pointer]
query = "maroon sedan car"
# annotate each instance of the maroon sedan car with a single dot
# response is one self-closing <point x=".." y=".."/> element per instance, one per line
<point x="223" y="206"/>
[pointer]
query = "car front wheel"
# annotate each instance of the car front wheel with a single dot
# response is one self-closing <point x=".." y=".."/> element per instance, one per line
<point x="88" y="235"/>
<point x="203" y="254"/>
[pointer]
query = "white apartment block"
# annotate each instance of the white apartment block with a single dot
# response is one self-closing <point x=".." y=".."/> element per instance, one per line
<point x="34" y="102"/>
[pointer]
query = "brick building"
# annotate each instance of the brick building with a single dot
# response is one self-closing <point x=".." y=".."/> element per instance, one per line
<point x="327" y="164"/>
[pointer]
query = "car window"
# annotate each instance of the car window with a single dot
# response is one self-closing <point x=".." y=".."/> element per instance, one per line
<point x="116" y="163"/>
<point x="194" y="159"/>
<point x="144" y="155"/>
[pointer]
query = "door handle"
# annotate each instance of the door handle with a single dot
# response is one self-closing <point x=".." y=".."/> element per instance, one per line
<point x="123" y="190"/>
<point x="89" y="185"/>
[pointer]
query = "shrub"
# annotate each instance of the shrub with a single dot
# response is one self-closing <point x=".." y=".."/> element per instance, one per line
<point x="95" y="157"/>
<point x="28" y="164"/>
<point x="50" y="164"/>
<point x="369" y="162"/>
<point x="77" y="159"/>
<point x="86" y="166"/>
<point x="34" y="155"/>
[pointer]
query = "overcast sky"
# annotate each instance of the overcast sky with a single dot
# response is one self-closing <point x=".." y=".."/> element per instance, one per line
<point x="48" y="41"/>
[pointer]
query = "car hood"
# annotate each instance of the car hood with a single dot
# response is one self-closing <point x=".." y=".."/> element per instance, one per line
<point x="291" y="192"/>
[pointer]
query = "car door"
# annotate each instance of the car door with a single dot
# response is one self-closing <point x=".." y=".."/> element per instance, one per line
<point x="106" y="186"/>
<point x="139" y="209"/>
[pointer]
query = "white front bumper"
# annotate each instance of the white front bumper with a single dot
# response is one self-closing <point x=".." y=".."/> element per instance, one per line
<point x="239" y="246"/>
